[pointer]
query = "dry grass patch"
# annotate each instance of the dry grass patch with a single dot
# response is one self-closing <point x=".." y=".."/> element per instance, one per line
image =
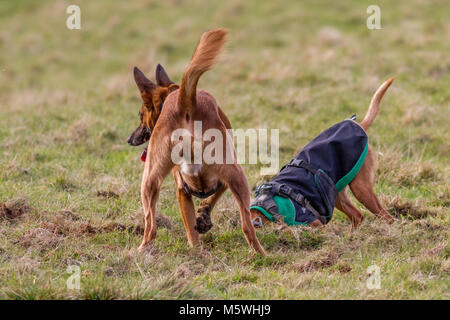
<point x="438" y="250"/>
<point x="26" y="264"/>
<point x="404" y="173"/>
<point x="321" y="259"/>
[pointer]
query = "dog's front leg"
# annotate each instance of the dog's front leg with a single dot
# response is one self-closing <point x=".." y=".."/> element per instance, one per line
<point x="188" y="214"/>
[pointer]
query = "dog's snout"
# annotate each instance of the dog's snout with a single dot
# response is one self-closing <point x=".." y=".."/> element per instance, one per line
<point x="129" y="140"/>
<point x="139" y="136"/>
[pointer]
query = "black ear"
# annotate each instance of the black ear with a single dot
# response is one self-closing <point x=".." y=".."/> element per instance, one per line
<point x="162" y="79"/>
<point x="144" y="84"/>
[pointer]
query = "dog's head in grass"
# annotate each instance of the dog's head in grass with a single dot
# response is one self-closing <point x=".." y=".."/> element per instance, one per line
<point x="153" y="96"/>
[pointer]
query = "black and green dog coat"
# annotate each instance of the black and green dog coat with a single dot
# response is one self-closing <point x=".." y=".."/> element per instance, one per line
<point x="306" y="188"/>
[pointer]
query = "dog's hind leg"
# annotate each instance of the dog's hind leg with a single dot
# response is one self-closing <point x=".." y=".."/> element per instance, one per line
<point x="362" y="188"/>
<point x="344" y="204"/>
<point x="239" y="187"/>
<point x="204" y="223"/>
<point x="188" y="214"/>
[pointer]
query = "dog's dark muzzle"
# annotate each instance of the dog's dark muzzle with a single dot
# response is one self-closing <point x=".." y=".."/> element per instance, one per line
<point x="140" y="136"/>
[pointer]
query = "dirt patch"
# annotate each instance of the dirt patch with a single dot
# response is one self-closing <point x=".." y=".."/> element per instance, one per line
<point x="114" y="226"/>
<point x="344" y="268"/>
<point x="67" y="223"/>
<point x="323" y="260"/>
<point x="399" y="208"/>
<point x="86" y="228"/>
<point x="429" y="225"/>
<point x="107" y="194"/>
<point x="40" y="238"/>
<point x="12" y="210"/>
<point x="67" y="214"/>
<point x="59" y="225"/>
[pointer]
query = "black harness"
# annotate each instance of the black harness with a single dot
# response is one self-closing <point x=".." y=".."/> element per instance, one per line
<point x="201" y="194"/>
<point x="266" y="191"/>
<point x="300" y="163"/>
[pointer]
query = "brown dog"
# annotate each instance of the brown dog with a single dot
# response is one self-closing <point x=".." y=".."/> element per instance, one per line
<point x="168" y="107"/>
<point x="362" y="184"/>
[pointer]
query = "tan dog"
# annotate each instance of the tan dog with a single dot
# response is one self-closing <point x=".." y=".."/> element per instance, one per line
<point x="362" y="185"/>
<point x="168" y="107"/>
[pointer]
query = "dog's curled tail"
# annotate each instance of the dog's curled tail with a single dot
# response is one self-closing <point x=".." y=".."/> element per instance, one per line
<point x="374" y="107"/>
<point x="205" y="55"/>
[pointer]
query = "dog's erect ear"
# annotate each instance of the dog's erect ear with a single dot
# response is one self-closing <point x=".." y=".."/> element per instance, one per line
<point x="162" y="79"/>
<point x="144" y="84"/>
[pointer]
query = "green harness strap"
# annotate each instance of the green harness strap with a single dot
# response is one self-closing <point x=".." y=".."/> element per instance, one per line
<point x="345" y="180"/>
<point x="285" y="208"/>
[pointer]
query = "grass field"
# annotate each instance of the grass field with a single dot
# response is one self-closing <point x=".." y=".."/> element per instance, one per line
<point x="69" y="183"/>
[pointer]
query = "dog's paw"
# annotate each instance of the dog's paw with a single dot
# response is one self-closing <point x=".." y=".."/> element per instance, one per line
<point x="203" y="223"/>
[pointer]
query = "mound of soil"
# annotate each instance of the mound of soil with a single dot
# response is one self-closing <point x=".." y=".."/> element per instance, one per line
<point x="114" y="226"/>
<point x="106" y="194"/>
<point x="66" y="228"/>
<point x="40" y="238"/>
<point x="405" y="209"/>
<point x="12" y="210"/>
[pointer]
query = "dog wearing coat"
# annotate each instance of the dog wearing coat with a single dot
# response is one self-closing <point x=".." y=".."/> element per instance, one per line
<point x="307" y="189"/>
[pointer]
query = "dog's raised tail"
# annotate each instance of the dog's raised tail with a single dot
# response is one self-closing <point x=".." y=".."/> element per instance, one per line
<point x="204" y="57"/>
<point x="374" y="107"/>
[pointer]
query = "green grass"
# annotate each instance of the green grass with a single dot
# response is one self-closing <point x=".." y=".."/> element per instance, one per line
<point x="68" y="103"/>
